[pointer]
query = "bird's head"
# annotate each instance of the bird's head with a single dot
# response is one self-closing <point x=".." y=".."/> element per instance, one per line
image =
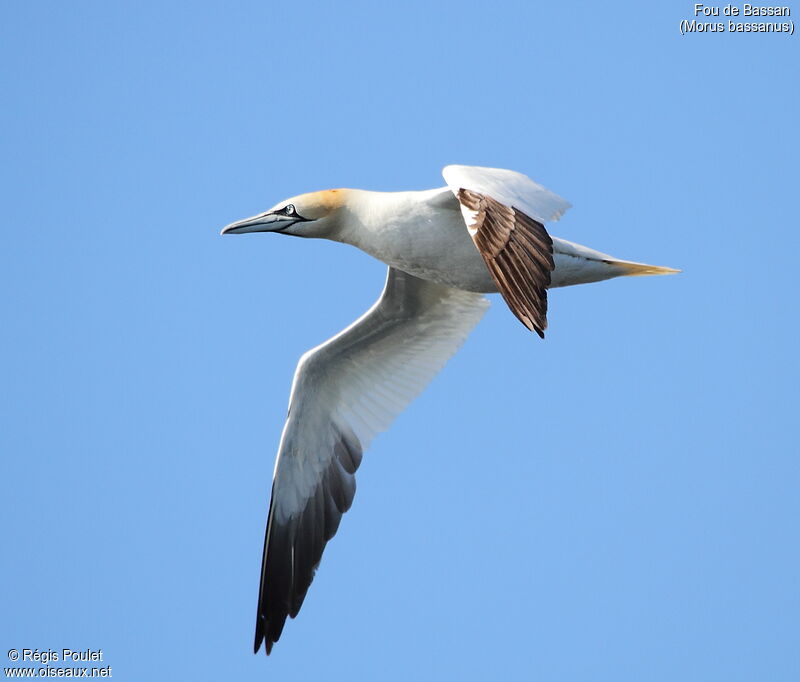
<point x="307" y="215"/>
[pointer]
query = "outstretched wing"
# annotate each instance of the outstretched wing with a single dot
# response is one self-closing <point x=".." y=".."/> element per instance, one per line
<point x="504" y="212"/>
<point x="345" y="392"/>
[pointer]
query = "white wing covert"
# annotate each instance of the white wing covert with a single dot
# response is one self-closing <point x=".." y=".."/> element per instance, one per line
<point x="344" y="393"/>
<point x="510" y="188"/>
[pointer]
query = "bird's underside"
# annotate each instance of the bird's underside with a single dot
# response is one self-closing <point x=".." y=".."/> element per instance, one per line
<point x="351" y="387"/>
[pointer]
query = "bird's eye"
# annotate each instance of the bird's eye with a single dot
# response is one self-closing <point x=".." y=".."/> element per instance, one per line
<point x="288" y="209"/>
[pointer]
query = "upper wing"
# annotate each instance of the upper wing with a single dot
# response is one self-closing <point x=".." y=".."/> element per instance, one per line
<point x="504" y="212"/>
<point x="510" y="188"/>
<point x="345" y="392"/>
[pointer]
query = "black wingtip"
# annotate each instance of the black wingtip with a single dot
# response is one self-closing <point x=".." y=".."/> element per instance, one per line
<point x="263" y="636"/>
<point x="259" y="636"/>
<point x="267" y="645"/>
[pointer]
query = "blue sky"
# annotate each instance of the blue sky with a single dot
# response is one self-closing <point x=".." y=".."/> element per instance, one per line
<point x="618" y="502"/>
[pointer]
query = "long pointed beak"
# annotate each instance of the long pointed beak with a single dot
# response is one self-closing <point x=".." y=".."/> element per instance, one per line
<point x="263" y="222"/>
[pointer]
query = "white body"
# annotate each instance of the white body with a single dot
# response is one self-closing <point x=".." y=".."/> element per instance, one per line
<point x="423" y="234"/>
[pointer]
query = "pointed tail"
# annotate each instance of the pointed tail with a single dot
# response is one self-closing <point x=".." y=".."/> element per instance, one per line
<point x="631" y="269"/>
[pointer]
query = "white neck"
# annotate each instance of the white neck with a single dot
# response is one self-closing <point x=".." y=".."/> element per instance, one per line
<point x="371" y="217"/>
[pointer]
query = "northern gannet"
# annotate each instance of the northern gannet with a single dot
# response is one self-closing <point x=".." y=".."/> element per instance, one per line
<point x="483" y="233"/>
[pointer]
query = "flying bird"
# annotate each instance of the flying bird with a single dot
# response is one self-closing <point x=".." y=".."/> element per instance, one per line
<point x="482" y="233"/>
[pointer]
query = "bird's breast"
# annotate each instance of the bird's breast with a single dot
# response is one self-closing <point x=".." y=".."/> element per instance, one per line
<point x="429" y="240"/>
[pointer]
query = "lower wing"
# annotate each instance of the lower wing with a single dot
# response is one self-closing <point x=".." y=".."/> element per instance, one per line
<point x="345" y="392"/>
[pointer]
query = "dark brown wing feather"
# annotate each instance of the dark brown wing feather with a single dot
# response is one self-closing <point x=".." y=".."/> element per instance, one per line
<point x="519" y="254"/>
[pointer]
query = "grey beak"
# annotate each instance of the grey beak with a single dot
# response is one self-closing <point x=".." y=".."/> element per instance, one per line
<point x="264" y="222"/>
